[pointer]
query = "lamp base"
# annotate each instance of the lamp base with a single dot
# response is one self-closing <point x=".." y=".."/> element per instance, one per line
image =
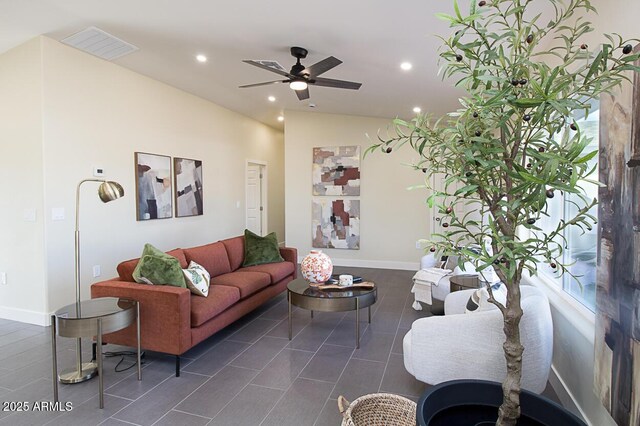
<point x="70" y="376"/>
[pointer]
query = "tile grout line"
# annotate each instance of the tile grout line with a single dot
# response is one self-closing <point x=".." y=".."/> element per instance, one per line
<point x="123" y="421"/>
<point x="386" y="365"/>
<point x="301" y="370"/>
<point x="342" y="372"/>
<point x="274" y="357"/>
<point x="142" y="395"/>
<point x="228" y="364"/>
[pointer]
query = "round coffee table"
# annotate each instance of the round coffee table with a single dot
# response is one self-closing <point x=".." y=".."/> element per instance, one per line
<point x="301" y="294"/>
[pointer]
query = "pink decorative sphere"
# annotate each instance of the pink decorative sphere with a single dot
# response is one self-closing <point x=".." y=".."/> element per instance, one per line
<point x="316" y="267"/>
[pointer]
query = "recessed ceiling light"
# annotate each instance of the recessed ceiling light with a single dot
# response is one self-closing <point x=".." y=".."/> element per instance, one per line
<point x="201" y="58"/>
<point x="271" y="98"/>
<point x="417" y="110"/>
<point x="280" y="118"/>
<point x="406" y="66"/>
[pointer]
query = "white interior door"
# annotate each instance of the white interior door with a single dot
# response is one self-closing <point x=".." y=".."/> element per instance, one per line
<point x="254" y="204"/>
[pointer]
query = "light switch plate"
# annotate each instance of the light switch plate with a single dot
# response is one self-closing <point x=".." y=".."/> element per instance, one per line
<point x="96" y="271"/>
<point x="29" y="215"/>
<point x="57" y="213"/>
<point x="3" y="278"/>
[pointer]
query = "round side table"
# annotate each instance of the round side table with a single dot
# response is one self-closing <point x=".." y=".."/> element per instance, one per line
<point x="90" y="318"/>
<point x="464" y="282"/>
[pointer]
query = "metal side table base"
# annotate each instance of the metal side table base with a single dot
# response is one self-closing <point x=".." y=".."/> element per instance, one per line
<point x="101" y="315"/>
<point x="72" y="375"/>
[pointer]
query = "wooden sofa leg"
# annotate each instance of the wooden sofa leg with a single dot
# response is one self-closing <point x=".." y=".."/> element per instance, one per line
<point x="177" y="365"/>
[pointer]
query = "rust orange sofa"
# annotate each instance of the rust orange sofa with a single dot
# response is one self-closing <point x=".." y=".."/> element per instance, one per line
<point x="173" y="320"/>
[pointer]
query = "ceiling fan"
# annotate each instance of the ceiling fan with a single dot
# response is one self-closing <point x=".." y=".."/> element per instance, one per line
<point x="300" y="77"/>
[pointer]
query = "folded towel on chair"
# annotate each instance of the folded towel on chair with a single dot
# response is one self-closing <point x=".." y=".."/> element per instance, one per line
<point x="422" y="282"/>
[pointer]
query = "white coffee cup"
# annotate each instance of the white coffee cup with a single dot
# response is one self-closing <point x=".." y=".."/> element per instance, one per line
<point x="345" y="280"/>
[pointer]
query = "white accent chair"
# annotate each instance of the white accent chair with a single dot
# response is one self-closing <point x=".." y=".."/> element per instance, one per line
<point x="469" y="346"/>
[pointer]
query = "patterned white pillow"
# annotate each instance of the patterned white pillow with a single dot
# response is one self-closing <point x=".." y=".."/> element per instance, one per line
<point x="197" y="279"/>
<point x="479" y="300"/>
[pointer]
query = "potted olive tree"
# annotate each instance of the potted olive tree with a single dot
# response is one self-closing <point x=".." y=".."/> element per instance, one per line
<point x="514" y="143"/>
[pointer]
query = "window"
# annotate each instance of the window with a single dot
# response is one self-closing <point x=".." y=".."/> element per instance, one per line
<point x="580" y="250"/>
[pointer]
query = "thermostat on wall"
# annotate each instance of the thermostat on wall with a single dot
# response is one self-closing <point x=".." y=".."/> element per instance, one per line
<point x="98" y="171"/>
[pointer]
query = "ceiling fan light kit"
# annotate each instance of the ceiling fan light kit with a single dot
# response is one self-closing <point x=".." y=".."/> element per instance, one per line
<point x="298" y="85"/>
<point x="300" y="77"/>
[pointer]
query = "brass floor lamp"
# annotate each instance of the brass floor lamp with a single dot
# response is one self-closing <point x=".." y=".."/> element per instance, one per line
<point x="107" y="191"/>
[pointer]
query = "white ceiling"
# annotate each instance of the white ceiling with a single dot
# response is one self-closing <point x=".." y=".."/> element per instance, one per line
<point x="371" y="37"/>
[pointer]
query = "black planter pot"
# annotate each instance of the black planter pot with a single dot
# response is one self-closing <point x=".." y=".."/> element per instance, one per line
<point x="476" y="403"/>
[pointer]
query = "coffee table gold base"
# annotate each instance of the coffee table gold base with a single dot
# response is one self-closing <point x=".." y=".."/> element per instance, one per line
<point x="320" y="300"/>
<point x="72" y="375"/>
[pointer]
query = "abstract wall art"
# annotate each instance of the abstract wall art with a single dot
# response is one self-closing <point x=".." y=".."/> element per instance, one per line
<point x="153" y="186"/>
<point x="336" y="170"/>
<point x="617" y="340"/>
<point x="336" y="223"/>
<point x="188" y="191"/>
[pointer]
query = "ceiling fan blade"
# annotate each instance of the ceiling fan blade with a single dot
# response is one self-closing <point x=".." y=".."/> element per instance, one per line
<point x="340" y="84"/>
<point x="262" y="84"/>
<point x="264" y="67"/>
<point x="302" y="94"/>
<point x="322" y="66"/>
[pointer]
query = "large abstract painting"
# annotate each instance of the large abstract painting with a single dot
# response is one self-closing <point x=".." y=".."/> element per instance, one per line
<point x="188" y="187"/>
<point x="153" y="186"/>
<point x="336" y="223"/>
<point x="336" y="170"/>
<point x="617" y="342"/>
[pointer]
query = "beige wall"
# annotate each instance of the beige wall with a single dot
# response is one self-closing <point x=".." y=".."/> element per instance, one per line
<point x="392" y="218"/>
<point x="96" y="113"/>
<point x="22" y="255"/>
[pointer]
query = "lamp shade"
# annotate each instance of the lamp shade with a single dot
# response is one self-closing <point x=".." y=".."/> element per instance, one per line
<point x="109" y="191"/>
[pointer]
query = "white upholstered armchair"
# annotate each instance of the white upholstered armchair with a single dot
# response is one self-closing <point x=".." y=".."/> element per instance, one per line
<point x="469" y="346"/>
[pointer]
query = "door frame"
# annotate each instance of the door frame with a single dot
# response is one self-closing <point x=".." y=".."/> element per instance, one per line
<point x="263" y="192"/>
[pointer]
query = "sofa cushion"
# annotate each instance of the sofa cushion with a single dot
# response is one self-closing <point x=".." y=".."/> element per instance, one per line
<point x="125" y="269"/>
<point x="276" y="271"/>
<point x="204" y="308"/>
<point x="235" y="251"/>
<point x="247" y="282"/>
<point x="157" y="267"/>
<point x="212" y="256"/>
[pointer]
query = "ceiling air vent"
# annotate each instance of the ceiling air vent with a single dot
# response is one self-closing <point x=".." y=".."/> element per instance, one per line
<point x="99" y="43"/>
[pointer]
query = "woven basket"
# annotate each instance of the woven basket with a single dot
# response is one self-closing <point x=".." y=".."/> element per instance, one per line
<point x="378" y="409"/>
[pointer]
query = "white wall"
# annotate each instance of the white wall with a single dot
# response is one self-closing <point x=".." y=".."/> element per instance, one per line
<point x="22" y="255"/>
<point x="96" y="113"/>
<point x="392" y="218"/>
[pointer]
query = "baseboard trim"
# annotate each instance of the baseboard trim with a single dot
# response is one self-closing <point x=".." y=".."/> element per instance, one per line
<point x="564" y="394"/>
<point x="24" y="315"/>
<point x="380" y="264"/>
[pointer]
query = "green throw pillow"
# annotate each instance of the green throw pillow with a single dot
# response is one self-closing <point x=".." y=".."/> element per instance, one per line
<point x="259" y="250"/>
<point x="158" y="267"/>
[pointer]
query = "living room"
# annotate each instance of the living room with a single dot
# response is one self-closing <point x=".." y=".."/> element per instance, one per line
<point x="69" y="113"/>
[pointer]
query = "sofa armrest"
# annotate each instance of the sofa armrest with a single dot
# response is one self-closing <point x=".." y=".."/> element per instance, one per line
<point x="290" y="254"/>
<point x="165" y="315"/>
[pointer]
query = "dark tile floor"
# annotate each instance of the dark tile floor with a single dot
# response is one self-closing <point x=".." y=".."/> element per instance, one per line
<point x="247" y="374"/>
